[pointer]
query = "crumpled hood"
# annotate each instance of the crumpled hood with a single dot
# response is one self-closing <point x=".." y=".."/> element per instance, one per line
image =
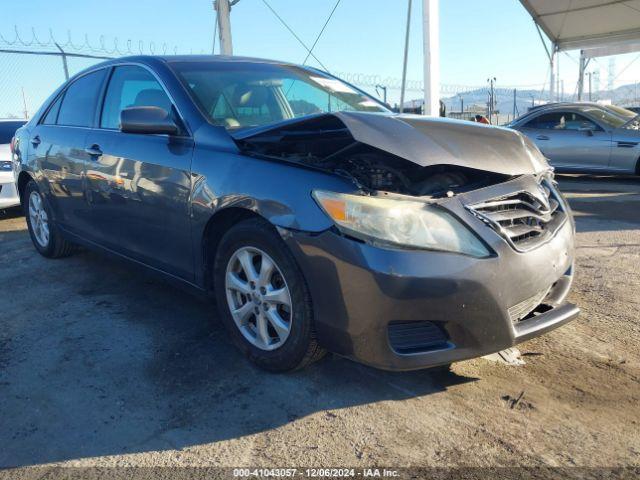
<point x="425" y="141"/>
<point x="430" y="141"/>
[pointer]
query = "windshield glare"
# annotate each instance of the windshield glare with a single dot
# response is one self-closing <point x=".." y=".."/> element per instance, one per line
<point x="242" y="95"/>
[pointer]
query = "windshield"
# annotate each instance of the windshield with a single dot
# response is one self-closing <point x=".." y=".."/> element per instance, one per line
<point x="622" y="112"/>
<point x="242" y="94"/>
<point x="631" y="117"/>
<point x="607" y="117"/>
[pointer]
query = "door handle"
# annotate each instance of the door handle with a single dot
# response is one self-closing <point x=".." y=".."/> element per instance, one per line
<point x="542" y="137"/>
<point x="35" y="141"/>
<point x="93" y="151"/>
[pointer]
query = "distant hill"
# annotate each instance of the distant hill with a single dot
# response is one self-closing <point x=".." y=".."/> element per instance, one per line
<point x="625" y="95"/>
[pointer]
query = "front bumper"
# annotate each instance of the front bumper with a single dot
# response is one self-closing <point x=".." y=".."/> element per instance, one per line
<point x="8" y="192"/>
<point x="361" y="293"/>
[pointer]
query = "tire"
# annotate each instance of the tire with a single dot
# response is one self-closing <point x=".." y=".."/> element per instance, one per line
<point x="39" y="220"/>
<point x="271" y="349"/>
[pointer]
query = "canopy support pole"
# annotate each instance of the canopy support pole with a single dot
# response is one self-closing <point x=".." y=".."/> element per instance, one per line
<point x="551" y="55"/>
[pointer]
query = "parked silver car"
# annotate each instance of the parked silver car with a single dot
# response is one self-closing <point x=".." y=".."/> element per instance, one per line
<point x="8" y="193"/>
<point x="585" y="137"/>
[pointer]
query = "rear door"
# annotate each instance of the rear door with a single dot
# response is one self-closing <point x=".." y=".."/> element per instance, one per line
<point x="570" y="140"/>
<point x="139" y="185"/>
<point x="58" y="145"/>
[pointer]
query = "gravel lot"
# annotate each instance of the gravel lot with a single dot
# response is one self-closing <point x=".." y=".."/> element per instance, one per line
<point x="102" y="364"/>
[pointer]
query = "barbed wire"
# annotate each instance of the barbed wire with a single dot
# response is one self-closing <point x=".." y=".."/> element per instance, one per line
<point x="372" y="80"/>
<point x="113" y="47"/>
<point x="110" y="47"/>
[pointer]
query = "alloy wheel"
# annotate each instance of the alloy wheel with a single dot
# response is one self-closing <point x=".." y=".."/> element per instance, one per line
<point x="39" y="219"/>
<point x="258" y="298"/>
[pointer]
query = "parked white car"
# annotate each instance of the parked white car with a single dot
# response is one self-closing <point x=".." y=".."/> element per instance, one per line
<point x="8" y="193"/>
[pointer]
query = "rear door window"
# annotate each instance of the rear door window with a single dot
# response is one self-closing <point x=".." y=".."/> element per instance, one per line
<point x="562" y="121"/>
<point x="80" y="100"/>
<point x="131" y="86"/>
<point x="8" y="130"/>
<point x="547" y="121"/>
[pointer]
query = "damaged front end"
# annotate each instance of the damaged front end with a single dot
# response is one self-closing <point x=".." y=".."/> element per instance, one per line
<point x="407" y="155"/>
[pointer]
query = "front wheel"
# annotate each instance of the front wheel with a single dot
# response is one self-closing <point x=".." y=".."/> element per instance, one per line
<point x="263" y="299"/>
<point x="43" y="231"/>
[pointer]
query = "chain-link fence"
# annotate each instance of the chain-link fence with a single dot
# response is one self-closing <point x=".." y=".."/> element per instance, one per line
<point x="31" y="68"/>
<point x="29" y="77"/>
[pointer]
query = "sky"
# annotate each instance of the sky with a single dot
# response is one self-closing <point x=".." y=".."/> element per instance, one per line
<point x="479" y="39"/>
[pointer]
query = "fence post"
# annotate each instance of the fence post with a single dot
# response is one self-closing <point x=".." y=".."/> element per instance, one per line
<point x="64" y="62"/>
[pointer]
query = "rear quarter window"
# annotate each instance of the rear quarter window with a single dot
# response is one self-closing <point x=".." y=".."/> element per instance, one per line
<point x="80" y="99"/>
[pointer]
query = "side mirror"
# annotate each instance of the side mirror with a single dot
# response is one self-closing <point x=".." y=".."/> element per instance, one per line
<point x="587" y="129"/>
<point x="149" y="120"/>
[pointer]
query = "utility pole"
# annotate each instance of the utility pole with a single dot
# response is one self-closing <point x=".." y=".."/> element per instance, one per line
<point x="406" y="53"/>
<point x="431" y="52"/>
<point x="24" y="104"/>
<point x="461" y="104"/>
<point x="223" y="7"/>
<point x="514" y="103"/>
<point x="589" y="74"/>
<point x="492" y="82"/>
<point x="581" y="69"/>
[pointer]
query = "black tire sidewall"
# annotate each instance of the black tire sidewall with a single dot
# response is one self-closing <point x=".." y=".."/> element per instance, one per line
<point x="259" y="234"/>
<point x="49" y="250"/>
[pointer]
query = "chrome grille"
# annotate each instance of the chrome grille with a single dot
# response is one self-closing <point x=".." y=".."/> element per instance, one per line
<point x="525" y="219"/>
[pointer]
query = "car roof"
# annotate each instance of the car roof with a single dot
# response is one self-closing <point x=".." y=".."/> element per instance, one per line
<point x="556" y="105"/>
<point x="196" y="59"/>
<point x="551" y="107"/>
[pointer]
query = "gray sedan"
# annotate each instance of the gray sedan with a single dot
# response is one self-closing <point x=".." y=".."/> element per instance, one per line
<point x="585" y="137"/>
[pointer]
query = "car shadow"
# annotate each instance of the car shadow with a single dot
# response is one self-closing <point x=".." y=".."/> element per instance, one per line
<point x="13" y="212"/>
<point x="603" y="203"/>
<point x="111" y="360"/>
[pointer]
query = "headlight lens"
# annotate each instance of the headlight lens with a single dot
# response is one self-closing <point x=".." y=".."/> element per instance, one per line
<point x="400" y="223"/>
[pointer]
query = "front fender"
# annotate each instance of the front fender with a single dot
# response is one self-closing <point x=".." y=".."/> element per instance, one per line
<point x="278" y="191"/>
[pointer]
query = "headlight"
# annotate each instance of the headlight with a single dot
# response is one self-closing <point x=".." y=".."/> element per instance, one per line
<point x="399" y="223"/>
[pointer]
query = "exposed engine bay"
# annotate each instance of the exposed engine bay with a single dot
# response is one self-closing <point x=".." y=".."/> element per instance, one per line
<point x="326" y="143"/>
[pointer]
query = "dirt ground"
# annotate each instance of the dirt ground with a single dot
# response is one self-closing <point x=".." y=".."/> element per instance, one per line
<point x="104" y="365"/>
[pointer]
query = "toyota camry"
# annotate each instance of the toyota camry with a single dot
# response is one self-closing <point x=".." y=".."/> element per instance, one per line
<point x="314" y="217"/>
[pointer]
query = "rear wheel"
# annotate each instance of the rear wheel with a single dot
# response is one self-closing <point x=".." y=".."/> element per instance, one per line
<point x="45" y="235"/>
<point x="263" y="299"/>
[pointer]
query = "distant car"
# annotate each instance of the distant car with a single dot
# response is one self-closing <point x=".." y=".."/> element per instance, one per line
<point x="585" y="137"/>
<point x="8" y="192"/>
<point x="316" y="217"/>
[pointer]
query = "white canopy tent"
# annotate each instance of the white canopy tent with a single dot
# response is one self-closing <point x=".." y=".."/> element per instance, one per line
<point x="597" y="27"/>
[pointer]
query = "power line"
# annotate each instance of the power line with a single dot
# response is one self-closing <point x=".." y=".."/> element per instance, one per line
<point x="321" y="32"/>
<point x="294" y="34"/>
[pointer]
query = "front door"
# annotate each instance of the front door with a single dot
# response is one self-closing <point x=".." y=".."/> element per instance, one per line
<point x="570" y="140"/>
<point x="138" y="185"/>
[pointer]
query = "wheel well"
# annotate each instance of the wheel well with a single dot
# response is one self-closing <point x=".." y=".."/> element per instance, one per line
<point x="217" y="226"/>
<point x="638" y="166"/>
<point x="23" y="179"/>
